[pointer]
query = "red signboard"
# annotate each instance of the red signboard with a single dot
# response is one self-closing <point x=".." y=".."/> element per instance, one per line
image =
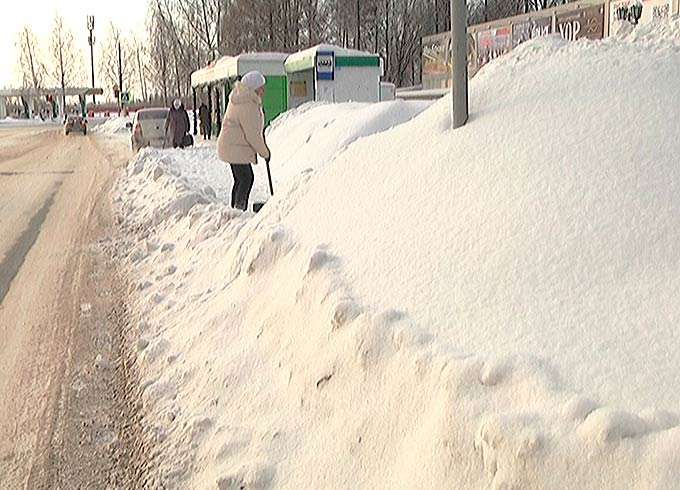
<point x="492" y="43"/>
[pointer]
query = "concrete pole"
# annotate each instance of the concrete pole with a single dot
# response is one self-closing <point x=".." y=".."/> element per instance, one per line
<point x="459" y="78"/>
<point x="120" y="80"/>
<point x="3" y="107"/>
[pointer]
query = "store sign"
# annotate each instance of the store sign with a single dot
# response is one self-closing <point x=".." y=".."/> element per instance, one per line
<point x="437" y="55"/>
<point x="582" y="23"/>
<point x="493" y="43"/>
<point x="621" y="12"/>
<point x="325" y="65"/>
<point x="437" y="59"/>
<point x="530" y="29"/>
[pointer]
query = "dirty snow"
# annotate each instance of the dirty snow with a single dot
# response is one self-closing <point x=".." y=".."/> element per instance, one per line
<point x="494" y="307"/>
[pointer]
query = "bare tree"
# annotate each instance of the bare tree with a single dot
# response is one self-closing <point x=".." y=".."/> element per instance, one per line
<point x="142" y="71"/>
<point x="111" y="67"/>
<point x="404" y="39"/>
<point x="185" y="35"/>
<point x="64" y="58"/>
<point x="30" y="59"/>
<point x="203" y="20"/>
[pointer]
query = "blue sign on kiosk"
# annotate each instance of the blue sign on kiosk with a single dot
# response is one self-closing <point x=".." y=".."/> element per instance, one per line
<point x="325" y="65"/>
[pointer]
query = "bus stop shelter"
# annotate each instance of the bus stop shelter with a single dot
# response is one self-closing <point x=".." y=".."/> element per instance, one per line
<point x="218" y="79"/>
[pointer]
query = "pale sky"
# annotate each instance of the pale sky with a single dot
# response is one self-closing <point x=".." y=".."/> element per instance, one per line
<point x="128" y="15"/>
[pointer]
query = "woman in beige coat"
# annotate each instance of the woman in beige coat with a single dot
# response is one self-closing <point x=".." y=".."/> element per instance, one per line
<point x="242" y="135"/>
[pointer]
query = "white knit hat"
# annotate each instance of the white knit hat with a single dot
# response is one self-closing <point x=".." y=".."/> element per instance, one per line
<point x="253" y="80"/>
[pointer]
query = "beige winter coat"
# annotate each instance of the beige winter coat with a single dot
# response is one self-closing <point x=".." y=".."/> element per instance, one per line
<point x="242" y="128"/>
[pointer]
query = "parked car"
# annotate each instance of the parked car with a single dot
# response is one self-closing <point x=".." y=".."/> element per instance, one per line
<point x="148" y="128"/>
<point x="75" y="123"/>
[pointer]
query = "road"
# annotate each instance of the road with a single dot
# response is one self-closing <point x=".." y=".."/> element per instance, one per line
<point x="66" y="413"/>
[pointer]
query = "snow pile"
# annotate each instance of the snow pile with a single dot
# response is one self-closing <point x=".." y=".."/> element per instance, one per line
<point x="315" y="133"/>
<point x="114" y="126"/>
<point x="494" y="307"/>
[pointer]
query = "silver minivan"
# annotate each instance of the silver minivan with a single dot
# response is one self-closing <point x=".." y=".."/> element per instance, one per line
<point x="148" y="128"/>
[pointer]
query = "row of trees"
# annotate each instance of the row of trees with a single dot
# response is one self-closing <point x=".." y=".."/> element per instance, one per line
<point x="62" y="66"/>
<point x="184" y="35"/>
<point x="62" y="63"/>
<point x="187" y="34"/>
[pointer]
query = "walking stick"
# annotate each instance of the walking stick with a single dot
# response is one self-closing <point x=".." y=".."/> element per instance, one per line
<point x="258" y="205"/>
<point x="269" y="175"/>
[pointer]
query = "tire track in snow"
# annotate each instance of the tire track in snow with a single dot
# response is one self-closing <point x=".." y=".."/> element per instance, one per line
<point x="16" y="255"/>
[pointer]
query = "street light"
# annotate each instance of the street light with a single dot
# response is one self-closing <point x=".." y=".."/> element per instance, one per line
<point x="90" y="41"/>
<point x="459" y="78"/>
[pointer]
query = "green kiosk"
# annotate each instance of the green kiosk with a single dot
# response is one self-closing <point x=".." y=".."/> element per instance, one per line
<point x="215" y="82"/>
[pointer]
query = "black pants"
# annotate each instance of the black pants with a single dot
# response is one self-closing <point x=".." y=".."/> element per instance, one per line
<point x="178" y="142"/>
<point x="243" y="183"/>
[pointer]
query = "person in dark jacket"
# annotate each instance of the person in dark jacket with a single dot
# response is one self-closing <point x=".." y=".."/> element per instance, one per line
<point x="177" y="123"/>
<point x="204" y="116"/>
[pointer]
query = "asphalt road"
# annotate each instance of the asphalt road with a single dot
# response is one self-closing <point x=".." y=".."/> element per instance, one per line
<point x="65" y="416"/>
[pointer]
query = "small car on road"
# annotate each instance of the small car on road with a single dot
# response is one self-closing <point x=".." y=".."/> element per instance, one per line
<point x="148" y="128"/>
<point x="75" y="123"/>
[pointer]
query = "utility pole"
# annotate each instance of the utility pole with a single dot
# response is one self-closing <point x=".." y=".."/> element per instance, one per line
<point x="387" y="36"/>
<point x="90" y="41"/>
<point x="120" y="79"/>
<point x="459" y="78"/>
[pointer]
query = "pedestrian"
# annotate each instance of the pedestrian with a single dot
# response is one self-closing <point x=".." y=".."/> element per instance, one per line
<point x="204" y="117"/>
<point x="242" y="136"/>
<point x="177" y="124"/>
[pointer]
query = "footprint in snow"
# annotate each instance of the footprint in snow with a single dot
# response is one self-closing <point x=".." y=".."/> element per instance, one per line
<point x="167" y="247"/>
<point x="319" y="259"/>
<point x="254" y="478"/>
<point x="343" y="313"/>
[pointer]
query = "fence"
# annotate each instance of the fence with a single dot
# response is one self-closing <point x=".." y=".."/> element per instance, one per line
<point x="585" y="19"/>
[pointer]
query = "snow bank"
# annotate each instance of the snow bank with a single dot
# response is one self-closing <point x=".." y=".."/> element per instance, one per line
<point x="494" y="307"/>
<point x="551" y="217"/>
<point x="315" y="133"/>
<point x="114" y="126"/>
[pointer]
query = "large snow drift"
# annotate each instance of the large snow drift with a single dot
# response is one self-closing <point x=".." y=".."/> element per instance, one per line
<point x="548" y="225"/>
<point x="491" y="307"/>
